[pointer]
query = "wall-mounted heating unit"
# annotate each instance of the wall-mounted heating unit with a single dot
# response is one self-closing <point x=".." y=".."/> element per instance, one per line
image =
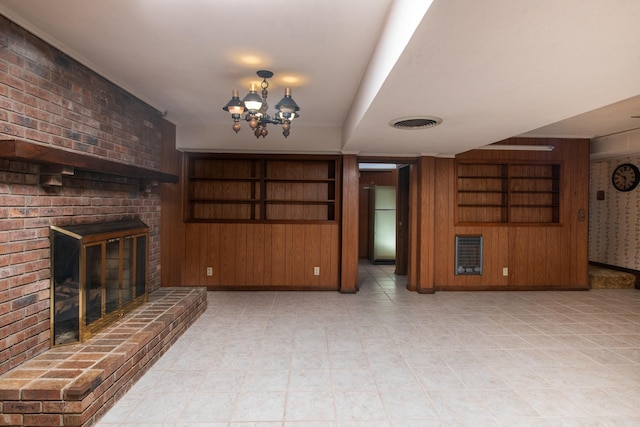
<point x="468" y="255"/>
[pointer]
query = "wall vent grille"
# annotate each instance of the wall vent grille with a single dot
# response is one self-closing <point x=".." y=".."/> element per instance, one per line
<point x="468" y="255"/>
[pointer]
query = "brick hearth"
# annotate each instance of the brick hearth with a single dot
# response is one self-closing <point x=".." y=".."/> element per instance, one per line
<point x="75" y="385"/>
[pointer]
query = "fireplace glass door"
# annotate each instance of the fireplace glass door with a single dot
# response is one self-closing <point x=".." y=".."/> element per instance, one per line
<point x="99" y="273"/>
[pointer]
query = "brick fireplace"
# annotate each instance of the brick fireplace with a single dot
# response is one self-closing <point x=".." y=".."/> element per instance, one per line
<point x="48" y="99"/>
<point x="75" y="149"/>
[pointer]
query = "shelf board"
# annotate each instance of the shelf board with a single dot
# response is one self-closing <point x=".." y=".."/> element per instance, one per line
<point x="225" y="201"/>
<point x="471" y="205"/>
<point x="482" y="177"/>
<point x="534" y="192"/>
<point x="299" y="202"/>
<point x="483" y="191"/>
<point x="532" y="177"/>
<point x="206" y="178"/>
<point x="534" y="206"/>
<point x="31" y="152"/>
<point x="302" y="181"/>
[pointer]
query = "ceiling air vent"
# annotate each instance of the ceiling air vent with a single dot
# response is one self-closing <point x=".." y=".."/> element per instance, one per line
<point x="415" y="122"/>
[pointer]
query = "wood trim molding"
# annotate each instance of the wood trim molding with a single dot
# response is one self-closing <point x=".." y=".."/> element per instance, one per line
<point x="31" y="152"/>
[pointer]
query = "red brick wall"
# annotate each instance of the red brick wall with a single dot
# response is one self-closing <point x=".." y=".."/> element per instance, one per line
<point x="48" y="98"/>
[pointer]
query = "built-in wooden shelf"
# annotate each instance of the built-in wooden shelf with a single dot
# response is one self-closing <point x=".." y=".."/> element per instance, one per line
<point x="508" y="192"/>
<point x="281" y="188"/>
<point x="63" y="162"/>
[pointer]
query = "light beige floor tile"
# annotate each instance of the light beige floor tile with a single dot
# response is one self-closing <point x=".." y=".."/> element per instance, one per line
<point x="438" y="378"/>
<point x="353" y="379"/>
<point x="221" y="380"/>
<point x="408" y="405"/>
<point x="310" y="406"/>
<point x="159" y="408"/>
<point x="209" y="407"/>
<point x="552" y="403"/>
<point x="505" y="404"/>
<point x="392" y="358"/>
<point x="359" y="406"/>
<point x="264" y="380"/>
<point x="459" y="407"/>
<point x="310" y="360"/>
<point x="259" y="406"/>
<point x="310" y="380"/>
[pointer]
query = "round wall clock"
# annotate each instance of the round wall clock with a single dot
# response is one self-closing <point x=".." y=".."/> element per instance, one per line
<point x="625" y="177"/>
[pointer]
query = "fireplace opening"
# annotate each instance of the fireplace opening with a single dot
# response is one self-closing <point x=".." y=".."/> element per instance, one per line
<point x="99" y="273"/>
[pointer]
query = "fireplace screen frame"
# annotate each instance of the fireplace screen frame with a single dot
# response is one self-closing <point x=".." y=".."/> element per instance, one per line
<point x="99" y="272"/>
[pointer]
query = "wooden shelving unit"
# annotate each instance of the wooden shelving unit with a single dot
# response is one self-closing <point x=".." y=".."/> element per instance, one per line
<point x="534" y="193"/>
<point x="482" y="192"/>
<point x="274" y="188"/>
<point x="508" y="193"/>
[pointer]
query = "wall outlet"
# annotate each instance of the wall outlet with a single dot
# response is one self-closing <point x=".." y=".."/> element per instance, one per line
<point x="316" y="271"/>
<point x="209" y="271"/>
<point x="505" y="271"/>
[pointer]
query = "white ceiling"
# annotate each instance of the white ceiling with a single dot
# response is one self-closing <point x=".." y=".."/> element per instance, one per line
<point x="491" y="69"/>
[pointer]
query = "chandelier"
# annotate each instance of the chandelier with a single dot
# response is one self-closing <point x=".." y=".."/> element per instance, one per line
<point x="256" y="108"/>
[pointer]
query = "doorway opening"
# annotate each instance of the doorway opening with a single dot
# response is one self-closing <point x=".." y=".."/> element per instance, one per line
<point x="383" y="223"/>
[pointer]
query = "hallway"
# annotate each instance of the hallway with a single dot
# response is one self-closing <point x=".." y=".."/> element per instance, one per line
<point x="389" y="357"/>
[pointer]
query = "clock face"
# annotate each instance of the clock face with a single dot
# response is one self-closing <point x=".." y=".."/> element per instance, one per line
<point x="625" y="177"/>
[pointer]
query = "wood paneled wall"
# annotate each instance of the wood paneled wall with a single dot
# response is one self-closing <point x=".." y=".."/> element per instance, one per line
<point x="172" y="243"/>
<point x="266" y="255"/>
<point x="538" y="256"/>
<point x="349" y="222"/>
<point x="422" y="247"/>
<point x="262" y="256"/>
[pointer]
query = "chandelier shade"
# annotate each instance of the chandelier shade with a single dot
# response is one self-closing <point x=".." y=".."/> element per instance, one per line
<point x="254" y="107"/>
<point x="252" y="101"/>
<point x="234" y="106"/>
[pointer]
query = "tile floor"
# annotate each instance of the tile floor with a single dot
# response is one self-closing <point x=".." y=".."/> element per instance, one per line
<point x="389" y="357"/>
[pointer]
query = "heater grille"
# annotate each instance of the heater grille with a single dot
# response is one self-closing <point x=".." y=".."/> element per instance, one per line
<point x="468" y="255"/>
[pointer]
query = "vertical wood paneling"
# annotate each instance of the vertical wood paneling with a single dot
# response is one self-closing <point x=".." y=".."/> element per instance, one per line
<point x="313" y="251"/>
<point x="260" y="255"/>
<point x="402" y="219"/>
<point x="554" y="257"/>
<point x="288" y="258"/>
<point x="242" y="244"/>
<point x="329" y="260"/>
<point x="250" y="264"/>
<point x="267" y="255"/>
<point x="335" y="258"/>
<point x="426" y="221"/>
<point x="444" y="219"/>
<point x="580" y="229"/>
<point x="192" y="259"/>
<point x="172" y="243"/>
<point x="412" y="273"/>
<point x="213" y="253"/>
<point x="538" y="256"/>
<point x="349" y="256"/>
<point x="278" y="254"/>
<point x="301" y="274"/>
<point x="228" y="265"/>
<point x="256" y="257"/>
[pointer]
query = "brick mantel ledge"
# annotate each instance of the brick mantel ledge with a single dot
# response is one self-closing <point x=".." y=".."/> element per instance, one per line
<point x="75" y="385"/>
